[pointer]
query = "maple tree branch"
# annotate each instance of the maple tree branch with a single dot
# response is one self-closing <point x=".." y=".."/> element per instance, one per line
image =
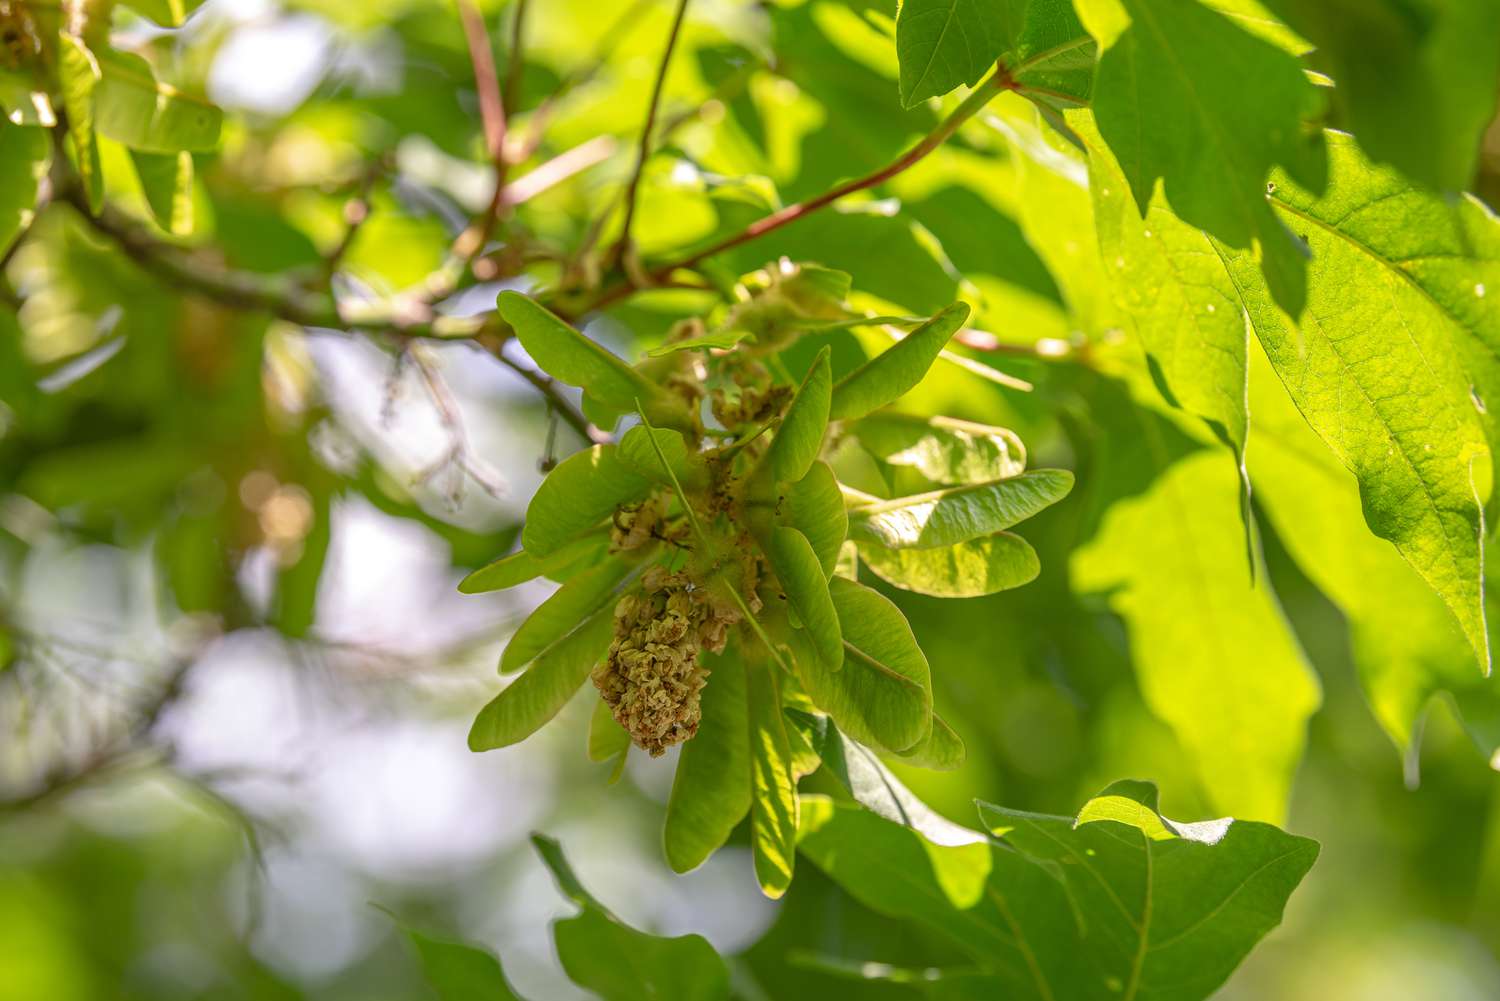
<point x="632" y="189"/>
<point x="289" y="301"/>
<point x="996" y="83"/>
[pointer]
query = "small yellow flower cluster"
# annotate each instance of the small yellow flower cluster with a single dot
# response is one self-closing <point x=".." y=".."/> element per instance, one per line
<point x="652" y="679"/>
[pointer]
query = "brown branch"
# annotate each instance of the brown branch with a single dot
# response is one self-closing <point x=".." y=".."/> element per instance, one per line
<point x="999" y="81"/>
<point x="643" y="153"/>
<point x="288" y="301"/>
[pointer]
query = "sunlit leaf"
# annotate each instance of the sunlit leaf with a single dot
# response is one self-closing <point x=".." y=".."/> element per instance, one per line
<point x="23" y="163"/>
<point x="133" y="108"/>
<point x="954" y="515"/>
<point x="167" y="181"/>
<point x="773" y="803"/>
<point x="942" y="44"/>
<point x="966" y="570"/>
<point x="944" y="450"/>
<point x="889" y="375"/>
<point x="78" y="73"/>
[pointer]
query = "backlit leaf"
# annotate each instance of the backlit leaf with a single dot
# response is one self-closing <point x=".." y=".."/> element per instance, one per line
<point x="957" y="514"/>
<point x="944" y="450"/>
<point x="568" y="606"/>
<point x="773" y="802"/>
<point x="889" y="375"/>
<point x="133" y="108"/>
<point x="966" y="570"/>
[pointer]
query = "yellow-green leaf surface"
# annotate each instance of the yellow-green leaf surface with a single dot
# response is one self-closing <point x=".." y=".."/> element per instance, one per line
<point x="883" y="696"/>
<point x="1213" y="654"/>
<point x="133" y="108"/>
<point x="802" y="580"/>
<point x="568" y="606"/>
<point x="1399" y="327"/>
<point x="814" y="506"/>
<point x="773" y="788"/>
<point x="584" y="490"/>
<point x="944" y="450"/>
<point x="711" y="788"/>
<point x="1405" y="642"/>
<point x="566" y="354"/>
<point x="22" y="102"/>
<point x="78" y="73"/>
<point x="1173" y="287"/>
<point x="167" y="181"/>
<point x="942" y="751"/>
<point x="459" y="972"/>
<point x="966" y="570"/>
<point x="1186" y="97"/>
<point x="529" y="702"/>
<point x="891" y="374"/>
<point x="607" y="738"/>
<point x="799" y="437"/>
<point x="953" y="515"/>
<point x="521" y="566"/>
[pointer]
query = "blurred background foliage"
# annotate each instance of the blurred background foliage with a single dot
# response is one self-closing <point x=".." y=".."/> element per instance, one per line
<point x="234" y="672"/>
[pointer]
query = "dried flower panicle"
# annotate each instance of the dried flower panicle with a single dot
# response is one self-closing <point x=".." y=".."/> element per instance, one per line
<point x="652" y="679"/>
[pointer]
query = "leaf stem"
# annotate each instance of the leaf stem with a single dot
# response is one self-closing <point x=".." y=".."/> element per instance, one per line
<point x="643" y="153"/>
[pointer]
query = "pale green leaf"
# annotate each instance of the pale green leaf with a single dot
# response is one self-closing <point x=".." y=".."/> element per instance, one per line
<point x="583" y="491"/>
<point x="607" y="738"/>
<point x="1173" y="287"/>
<point x="892" y="373"/>
<point x="602" y="954"/>
<point x="521" y="566"/>
<point x="78" y="74"/>
<point x="966" y="570"/>
<point x="773" y="803"/>
<point x="1398" y="332"/>
<point x="1172" y="99"/>
<point x="1405" y="643"/>
<point x="711" y="789"/>
<point x="944" y="450"/>
<point x="814" y="506"/>
<point x="1213" y="655"/>
<point x="796" y="567"/>
<point x="133" y="108"/>
<point x="22" y="102"/>
<point x="564" y="610"/>
<point x="167" y="13"/>
<point x="799" y="437"/>
<point x="167" y="181"/>
<point x="529" y="702"/>
<point x="957" y="514"/>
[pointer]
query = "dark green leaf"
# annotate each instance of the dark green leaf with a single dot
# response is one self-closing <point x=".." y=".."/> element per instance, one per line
<point x="459" y="972"/>
<point x="799" y="437"/>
